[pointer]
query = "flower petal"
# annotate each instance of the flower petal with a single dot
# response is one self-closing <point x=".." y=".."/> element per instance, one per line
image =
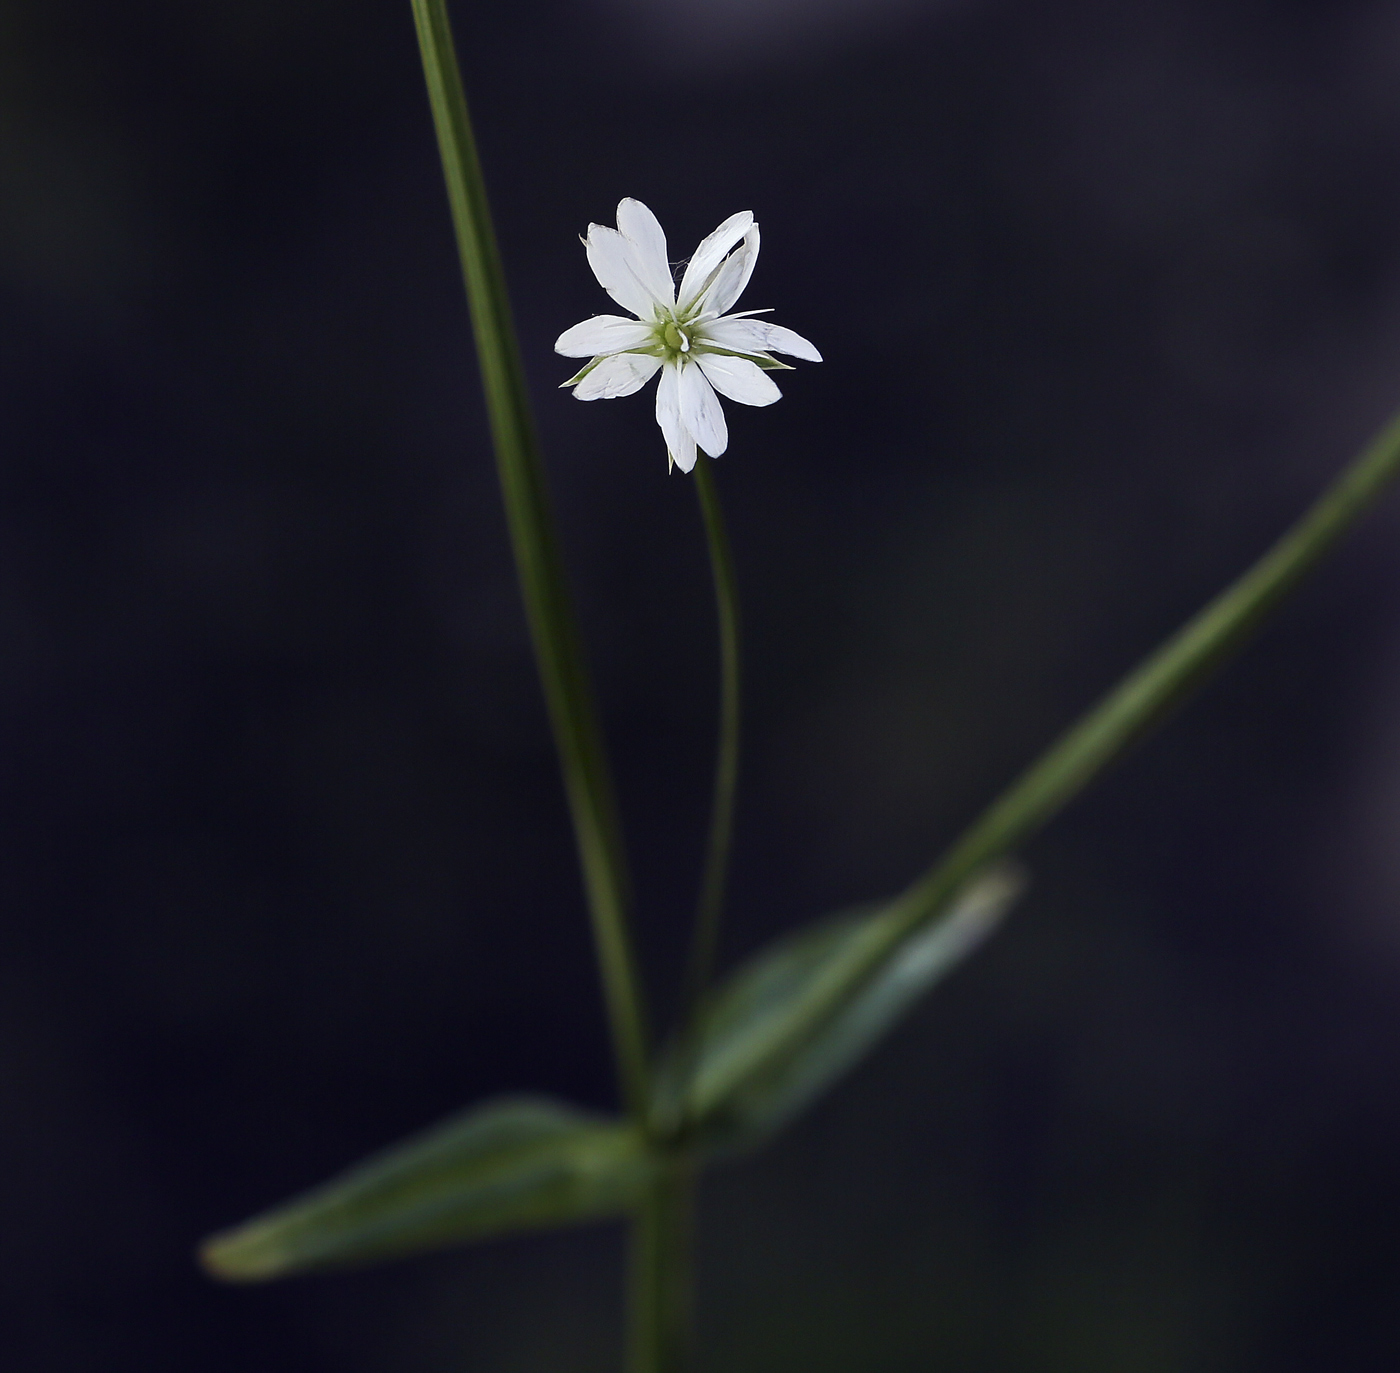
<point x="757" y="336"/>
<point x="701" y="412"/>
<point x="710" y="254"/>
<point x="602" y="334"/>
<point x="643" y="231"/>
<point x="734" y="275"/>
<point x="789" y="341"/>
<point x="618" y="375"/>
<point x="668" y="411"/>
<point x="610" y="255"/>
<point x="739" y="379"/>
<point x="685" y="457"/>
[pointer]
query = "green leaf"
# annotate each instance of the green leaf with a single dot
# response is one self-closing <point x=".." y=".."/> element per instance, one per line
<point x="788" y="1023"/>
<point x="518" y="1163"/>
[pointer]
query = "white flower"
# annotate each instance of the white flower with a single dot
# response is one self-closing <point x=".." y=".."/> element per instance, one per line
<point x="685" y="335"/>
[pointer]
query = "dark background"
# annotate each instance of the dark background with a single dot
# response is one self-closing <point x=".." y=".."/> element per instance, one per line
<point x="1106" y="290"/>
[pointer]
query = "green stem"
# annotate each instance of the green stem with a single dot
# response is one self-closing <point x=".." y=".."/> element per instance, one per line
<point x="661" y="1336"/>
<point x="558" y="650"/>
<point x="1151" y="690"/>
<point x="709" y="913"/>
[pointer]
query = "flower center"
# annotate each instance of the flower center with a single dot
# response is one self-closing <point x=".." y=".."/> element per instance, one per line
<point x="677" y="340"/>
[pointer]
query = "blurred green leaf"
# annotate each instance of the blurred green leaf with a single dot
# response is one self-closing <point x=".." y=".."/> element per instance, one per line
<point x="789" y="1022"/>
<point x="518" y="1163"/>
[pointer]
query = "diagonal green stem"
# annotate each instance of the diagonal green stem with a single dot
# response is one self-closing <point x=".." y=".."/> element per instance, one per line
<point x="539" y="565"/>
<point x="1157" y="685"/>
<point x="709" y="913"/>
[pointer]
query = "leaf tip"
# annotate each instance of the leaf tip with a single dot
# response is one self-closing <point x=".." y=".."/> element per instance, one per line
<point x="240" y="1255"/>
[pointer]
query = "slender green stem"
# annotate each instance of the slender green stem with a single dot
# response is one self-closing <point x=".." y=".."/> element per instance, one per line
<point x="710" y="910"/>
<point x="1157" y="685"/>
<point x="661" y="1334"/>
<point x="539" y="565"/>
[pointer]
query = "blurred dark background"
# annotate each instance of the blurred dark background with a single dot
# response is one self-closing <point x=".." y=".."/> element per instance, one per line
<point x="1106" y="292"/>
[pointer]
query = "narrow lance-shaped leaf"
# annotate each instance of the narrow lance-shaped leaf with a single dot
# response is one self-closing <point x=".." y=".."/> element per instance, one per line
<point x="762" y="1055"/>
<point x="519" y="1163"/>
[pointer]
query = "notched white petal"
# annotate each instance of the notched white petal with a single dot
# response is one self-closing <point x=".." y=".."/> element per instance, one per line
<point x="685" y="457"/>
<point x="723" y="290"/>
<point x="739" y="379"/>
<point x="610" y="256"/>
<point x="618" y="375"/>
<point x="708" y="256"/>
<point x="739" y="335"/>
<point x="668" y="412"/>
<point x="643" y="231"/>
<point x="602" y="334"/>
<point x="701" y="412"/>
<point x="788" y="341"/>
<point x="733" y="275"/>
<point x="747" y="335"/>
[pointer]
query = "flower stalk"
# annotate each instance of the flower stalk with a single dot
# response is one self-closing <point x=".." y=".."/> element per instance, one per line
<point x="709" y="913"/>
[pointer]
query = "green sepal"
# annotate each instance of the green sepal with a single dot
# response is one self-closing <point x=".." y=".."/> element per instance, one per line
<point x="791" y="1021"/>
<point x="580" y="374"/>
<point x="516" y="1163"/>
